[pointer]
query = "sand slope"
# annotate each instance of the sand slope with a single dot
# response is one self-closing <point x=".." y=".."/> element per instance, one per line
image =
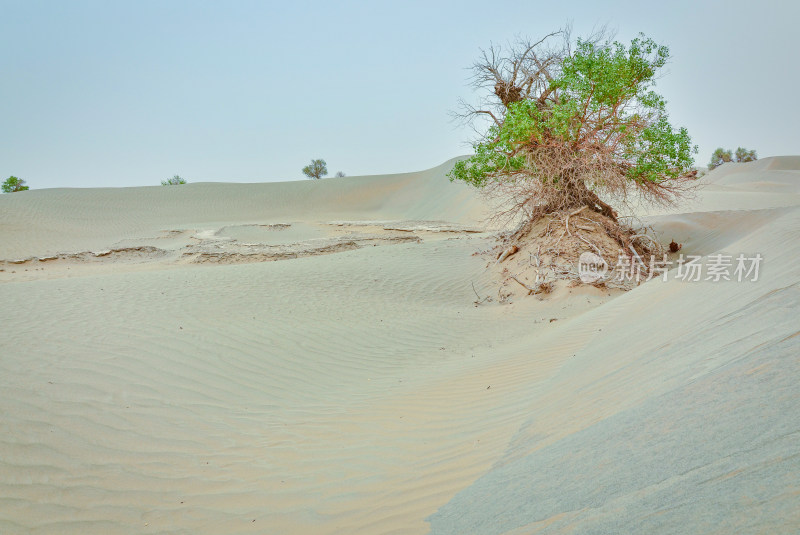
<point x="50" y="221"/>
<point x="160" y="372"/>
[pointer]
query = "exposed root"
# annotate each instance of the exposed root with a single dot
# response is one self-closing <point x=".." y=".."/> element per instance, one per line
<point x="508" y="252"/>
<point x="548" y="251"/>
<point x="543" y="287"/>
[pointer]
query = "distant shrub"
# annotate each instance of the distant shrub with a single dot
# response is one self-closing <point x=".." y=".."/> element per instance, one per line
<point x="340" y="174"/>
<point x="174" y="181"/>
<point x="316" y="169"/>
<point x="744" y="155"/>
<point x="14" y="184"/>
<point x="719" y="157"/>
<point x="722" y="156"/>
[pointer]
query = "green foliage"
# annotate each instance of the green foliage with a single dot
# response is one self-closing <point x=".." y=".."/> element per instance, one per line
<point x="598" y="109"/>
<point x="316" y="169"/>
<point x="493" y="158"/>
<point x="174" y="181"/>
<point x="744" y="155"/>
<point x="719" y="157"/>
<point x="14" y="184"/>
<point x="660" y="153"/>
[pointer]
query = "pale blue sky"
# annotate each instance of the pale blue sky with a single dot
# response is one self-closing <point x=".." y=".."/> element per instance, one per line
<point x="111" y="93"/>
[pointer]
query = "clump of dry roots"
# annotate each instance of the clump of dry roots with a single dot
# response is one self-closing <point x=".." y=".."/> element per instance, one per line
<point x="543" y="255"/>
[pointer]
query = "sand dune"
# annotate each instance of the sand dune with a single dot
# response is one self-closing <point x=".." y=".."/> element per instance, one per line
<point x="46" y="222"/>
<point x="308" y="358"/>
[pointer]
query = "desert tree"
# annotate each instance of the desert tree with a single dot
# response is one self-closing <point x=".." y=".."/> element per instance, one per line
<point x="340" y="174"/>
<point x="13" y="184"/>
<point x="719" y="157"/>
<point x="573" y="124"/>
<point x="174" y="181"/>
<point x="316" y="169"/>
<point x="744" y="155"/>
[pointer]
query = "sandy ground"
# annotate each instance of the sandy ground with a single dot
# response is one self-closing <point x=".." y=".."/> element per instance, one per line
<point x="308" y="358"/>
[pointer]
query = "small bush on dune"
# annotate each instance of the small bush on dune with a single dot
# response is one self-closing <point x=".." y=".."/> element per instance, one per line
<point x="174" y="181"/>
<point x="719" y="157"/>
<point x="14" y="184"/>
<point x="744" y="155"/>
<point x="722" y="156"/>
<point x="316" y="169"/>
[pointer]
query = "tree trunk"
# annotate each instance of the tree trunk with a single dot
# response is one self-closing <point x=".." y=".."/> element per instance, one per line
<point x="579" y="195"/>
<point x="603" y="208"/>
